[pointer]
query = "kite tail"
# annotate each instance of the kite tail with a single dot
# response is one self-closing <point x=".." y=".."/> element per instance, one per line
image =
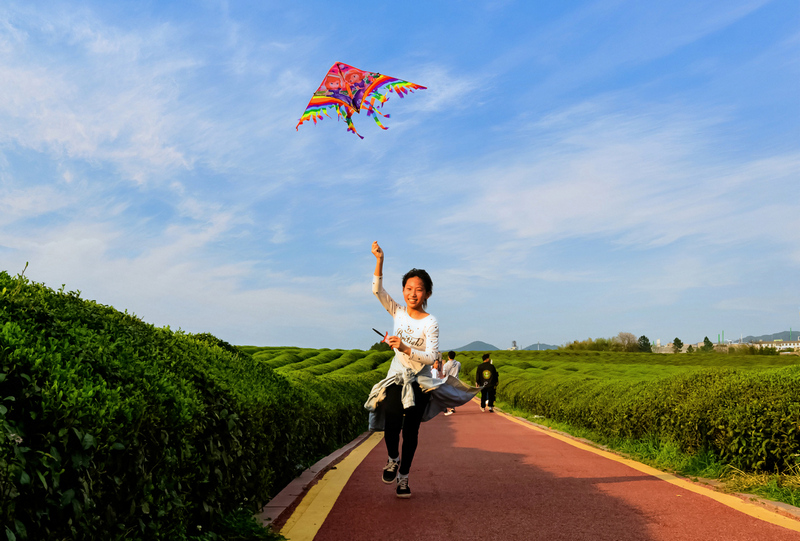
<point x="351" y="127"/>
<point x="378" y="122"/>
<point x="373" y="112"/>
<point x="347" y="114"/>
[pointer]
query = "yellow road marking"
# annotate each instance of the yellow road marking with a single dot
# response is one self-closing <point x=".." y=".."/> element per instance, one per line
<point x="726" y="499"/>
<point x="312" y="511"/>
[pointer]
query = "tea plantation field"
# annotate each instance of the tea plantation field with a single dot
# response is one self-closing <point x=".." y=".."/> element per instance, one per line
<point x="744" y="409"/>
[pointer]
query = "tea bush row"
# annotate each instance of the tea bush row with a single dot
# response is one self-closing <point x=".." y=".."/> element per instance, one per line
<point x="111" y="428"/>
<point x="293" y="361"/>
<point x="746" y="414"/>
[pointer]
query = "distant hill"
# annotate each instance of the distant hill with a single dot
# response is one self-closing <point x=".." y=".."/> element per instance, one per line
<point x="483" y="346"/>
<point x="772" y="337"/>
<point x="540" y="347"/>
<point x="477" y="346"/>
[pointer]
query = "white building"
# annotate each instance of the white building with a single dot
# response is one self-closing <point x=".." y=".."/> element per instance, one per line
<point x="780" y="345"/>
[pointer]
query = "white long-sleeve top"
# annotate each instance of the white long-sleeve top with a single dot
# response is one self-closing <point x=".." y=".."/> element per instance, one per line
<point x="421" y="335"/>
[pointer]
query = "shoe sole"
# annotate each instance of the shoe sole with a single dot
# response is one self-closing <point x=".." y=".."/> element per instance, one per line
<point x="404" y="496"/>
<point x="389" y="482"/>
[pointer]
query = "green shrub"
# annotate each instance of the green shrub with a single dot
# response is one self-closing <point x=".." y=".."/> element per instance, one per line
<point x="112" y="428"/>
<point x="748" y="416"/>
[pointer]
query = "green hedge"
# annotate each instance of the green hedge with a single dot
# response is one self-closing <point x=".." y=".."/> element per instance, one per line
<point x="748" y="418"/>
<point x="112" y="428"/>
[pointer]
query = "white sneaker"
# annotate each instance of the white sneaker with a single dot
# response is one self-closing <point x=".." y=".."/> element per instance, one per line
<point x="483" y="409"/>
<point x="448" y="413"/>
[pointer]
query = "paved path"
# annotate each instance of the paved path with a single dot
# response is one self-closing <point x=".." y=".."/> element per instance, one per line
<point x="487" y="476"/>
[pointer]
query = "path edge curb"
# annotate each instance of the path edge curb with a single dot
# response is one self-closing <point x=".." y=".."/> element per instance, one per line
<point x="277" y="511"/>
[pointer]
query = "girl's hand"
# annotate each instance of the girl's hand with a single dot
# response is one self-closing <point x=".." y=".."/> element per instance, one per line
<point x="378" y="253"/>
<point x="396" y="343"/>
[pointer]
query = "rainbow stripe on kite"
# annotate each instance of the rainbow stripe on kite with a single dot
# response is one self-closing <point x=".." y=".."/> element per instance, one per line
<point x="346" y="90"/>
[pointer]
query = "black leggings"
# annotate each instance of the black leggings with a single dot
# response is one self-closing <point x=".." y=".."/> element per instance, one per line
<point x="487" y="395"/>
<point x="407" y="420"/>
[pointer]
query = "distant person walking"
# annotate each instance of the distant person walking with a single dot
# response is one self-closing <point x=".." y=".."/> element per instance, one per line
<point x="486" y="378"/>
<point x="409" y="394"/>
<point x="451" y="368"/>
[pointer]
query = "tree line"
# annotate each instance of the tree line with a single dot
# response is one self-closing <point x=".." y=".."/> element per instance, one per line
<point x="628" y="342"/>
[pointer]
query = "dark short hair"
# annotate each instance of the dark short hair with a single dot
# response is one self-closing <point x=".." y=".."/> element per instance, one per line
<point x="451" y="354"/>
<point x="485" y="356"/>
<point x="426" y="281"/>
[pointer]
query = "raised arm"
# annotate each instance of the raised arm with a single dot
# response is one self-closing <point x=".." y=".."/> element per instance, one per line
<point x="377" y="282"/>
<point x="378" y="253"/>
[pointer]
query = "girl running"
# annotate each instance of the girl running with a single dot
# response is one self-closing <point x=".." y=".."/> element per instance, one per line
<point x="409" y="395"/>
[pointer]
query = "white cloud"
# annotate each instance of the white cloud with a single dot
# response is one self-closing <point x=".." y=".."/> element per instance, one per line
<point x="172" y="283"/>
<point x="33" y="202"/>
<point x="109" y="105"/>
<point x="621" y="34"/>
<point x="445" y="90"/>
<point x="638" y="179"/>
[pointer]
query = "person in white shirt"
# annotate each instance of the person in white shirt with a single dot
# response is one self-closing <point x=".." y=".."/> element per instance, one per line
<point x="415" y="339"/>
<point x="409" y="395"/>
<point x="451" y="368"/>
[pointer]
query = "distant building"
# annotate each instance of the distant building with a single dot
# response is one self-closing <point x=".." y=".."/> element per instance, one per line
<point x="667" y="348"/>
<point x="778" y="344"/>
<point x="513" y="346"/>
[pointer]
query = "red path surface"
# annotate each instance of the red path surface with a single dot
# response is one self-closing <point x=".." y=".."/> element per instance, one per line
<point x="480" y="476"/>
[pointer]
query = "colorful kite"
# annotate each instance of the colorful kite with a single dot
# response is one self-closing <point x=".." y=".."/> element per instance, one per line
<point x="346" y="90"/>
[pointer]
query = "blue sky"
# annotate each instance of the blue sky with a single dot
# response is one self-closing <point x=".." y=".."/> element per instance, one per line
<point x="575" y="169"/>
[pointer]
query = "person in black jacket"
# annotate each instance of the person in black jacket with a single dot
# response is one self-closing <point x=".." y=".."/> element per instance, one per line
<point x="486" y="377"/>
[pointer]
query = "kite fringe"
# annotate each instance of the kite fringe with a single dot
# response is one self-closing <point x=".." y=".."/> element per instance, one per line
<point x="374" y="112"/>
<point x="349" y="119"/>
<point x="313" y="114"/>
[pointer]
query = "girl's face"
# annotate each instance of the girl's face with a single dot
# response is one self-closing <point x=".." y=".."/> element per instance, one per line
<point x="414" y="293"/>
